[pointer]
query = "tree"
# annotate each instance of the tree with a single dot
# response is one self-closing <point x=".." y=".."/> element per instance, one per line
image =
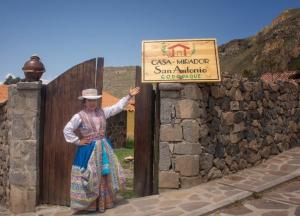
<point x="12" y="80"/>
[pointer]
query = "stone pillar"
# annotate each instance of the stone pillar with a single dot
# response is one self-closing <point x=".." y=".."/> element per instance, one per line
<point x="24" y="114"/>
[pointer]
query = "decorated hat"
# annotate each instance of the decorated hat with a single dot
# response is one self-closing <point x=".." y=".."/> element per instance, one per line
<point x="91" y="94"/>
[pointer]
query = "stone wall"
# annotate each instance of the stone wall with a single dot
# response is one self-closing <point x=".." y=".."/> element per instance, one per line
<point x="4" y="156"/>
<point x="211" y="130"/>
<point x="116" y="129"/>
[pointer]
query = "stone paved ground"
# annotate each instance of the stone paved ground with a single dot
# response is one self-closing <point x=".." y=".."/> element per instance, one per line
<point x="207" y="198"/>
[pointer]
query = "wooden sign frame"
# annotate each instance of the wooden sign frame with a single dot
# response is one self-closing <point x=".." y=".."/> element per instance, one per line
<point x="181" y="60"/>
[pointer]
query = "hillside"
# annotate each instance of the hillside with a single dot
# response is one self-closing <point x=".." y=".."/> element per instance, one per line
<point x="275" y="48"/>
<point x="118" y="80"/>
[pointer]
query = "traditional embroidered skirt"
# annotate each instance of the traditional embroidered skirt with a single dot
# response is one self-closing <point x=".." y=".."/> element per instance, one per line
<point x="90" y="188"/>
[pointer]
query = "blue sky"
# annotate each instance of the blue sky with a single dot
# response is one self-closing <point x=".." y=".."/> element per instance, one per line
<point x="67" y="32"/>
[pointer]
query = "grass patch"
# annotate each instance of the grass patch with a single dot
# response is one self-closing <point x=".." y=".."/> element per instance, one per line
<point x="129" y="143"/>
<point x="128" y="193"/>
<point x="121" y="154"/>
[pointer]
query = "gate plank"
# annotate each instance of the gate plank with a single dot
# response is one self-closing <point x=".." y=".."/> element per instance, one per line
<point x="143" y="138"/>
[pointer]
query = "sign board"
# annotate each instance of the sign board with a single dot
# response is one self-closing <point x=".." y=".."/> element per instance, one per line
<point x="194" y="60"/>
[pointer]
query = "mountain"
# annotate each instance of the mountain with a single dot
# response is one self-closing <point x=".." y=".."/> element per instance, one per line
<point x="275" y="48"/>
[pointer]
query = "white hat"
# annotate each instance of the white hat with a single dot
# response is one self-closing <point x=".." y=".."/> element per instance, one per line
<point x="91" y="94"/>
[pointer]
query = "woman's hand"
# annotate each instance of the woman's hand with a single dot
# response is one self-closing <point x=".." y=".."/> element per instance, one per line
<point x="84" y="141"/>
<point x="134" y="91"/>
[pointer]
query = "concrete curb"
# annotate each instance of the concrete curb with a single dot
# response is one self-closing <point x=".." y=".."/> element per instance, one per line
<point x="246" y="194"/>
<point x="215" y="207"/>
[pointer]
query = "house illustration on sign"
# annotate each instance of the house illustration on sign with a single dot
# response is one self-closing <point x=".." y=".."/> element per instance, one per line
<point x="178" y="50"/>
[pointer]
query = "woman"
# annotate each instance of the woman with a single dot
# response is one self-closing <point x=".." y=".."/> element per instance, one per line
<point x="96" y="173"/>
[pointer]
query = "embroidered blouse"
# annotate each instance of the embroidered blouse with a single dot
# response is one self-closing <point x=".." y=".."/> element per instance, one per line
<point x="75" y="121"/>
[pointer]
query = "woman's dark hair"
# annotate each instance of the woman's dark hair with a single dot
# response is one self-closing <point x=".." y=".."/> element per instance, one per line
<point x="83" y="102"/>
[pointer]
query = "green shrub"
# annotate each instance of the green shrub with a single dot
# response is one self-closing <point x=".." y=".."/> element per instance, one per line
<point x="129" y="143"/>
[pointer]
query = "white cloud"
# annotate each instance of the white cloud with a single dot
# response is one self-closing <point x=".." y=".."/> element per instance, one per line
<point x="9" y="74"/>
<point x="44" y="81"/>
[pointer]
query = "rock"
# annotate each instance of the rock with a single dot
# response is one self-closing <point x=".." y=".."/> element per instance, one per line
<point x="186" y="148"/>
<point x="253" y="114"/>
<point x="219" y="151"/>
<point x="235" y="137"/>
<point x="249" y="135"/>
<point x="239" y="117"/>
<point x="218" y="110"/>
<point x="218" y="91"/>
<point x="164" y="156"/>
<point x="168" y="179"/>
<point x="269" y="139"/>
<point x="211" y="103"/>
<point x="282" y="146"/>
<point x="215" y="124"/>
<point x="170" y="86"/>
<point x="129" y="158"/>
<point x="226" y="171"/>
<point x="24" y="199"/>
<point x="228" y="83"/>
<point x="170" y="94"/>
<point x="203" y="113"/>
<point x="234" y="105"/>
<point x="231" y="93"/>
<point x="234" y="166"/>
<point x="278" y="137"/>
<point x="188" y="109"/>
<point x="253" y="145"/>
<point x="206" y="161"/>
<point x="235" y="83"/>
<point x="247" y="97"/>
<point x="191" y="130"/>
<point x="274" y="149"/>
<point x="256" y="123"/>
<point x="225" y="104"/>
<point x="171" y="133"/>
<point x="265" y="153"/>
<point x="187" y="165"/>
<point x="252" y="157"/>
<point x="233" y="149"/>
<point x="211" y="148"/>
<point x="242" y="164"/>
<point x="252" y="105"/>
<point x="238" y="127"/>
<point x="228" y="160"/>
<point x="247" y="86"/>
<point x="293" y="126"/>
<point x="29" y="86"/>
<point x="167" y="107"/>
<point x="227" y="118"/>
<point x="192" y="91"/>
<point x="265" y="101"/>
<point x="238" y="95"/>
<point x="203" y="131"/>
<point x="187" y="182"/>
<point x="219" y="163"/>
<point x="214" y="173"/>
<point x="20" y="128"/>
<point x="18" y="178"/>
<point x="284" y="97"/>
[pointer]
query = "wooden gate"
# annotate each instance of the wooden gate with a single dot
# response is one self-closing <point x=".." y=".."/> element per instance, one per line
<point x="60" y="102"/>
<point x="145" y="139"/>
